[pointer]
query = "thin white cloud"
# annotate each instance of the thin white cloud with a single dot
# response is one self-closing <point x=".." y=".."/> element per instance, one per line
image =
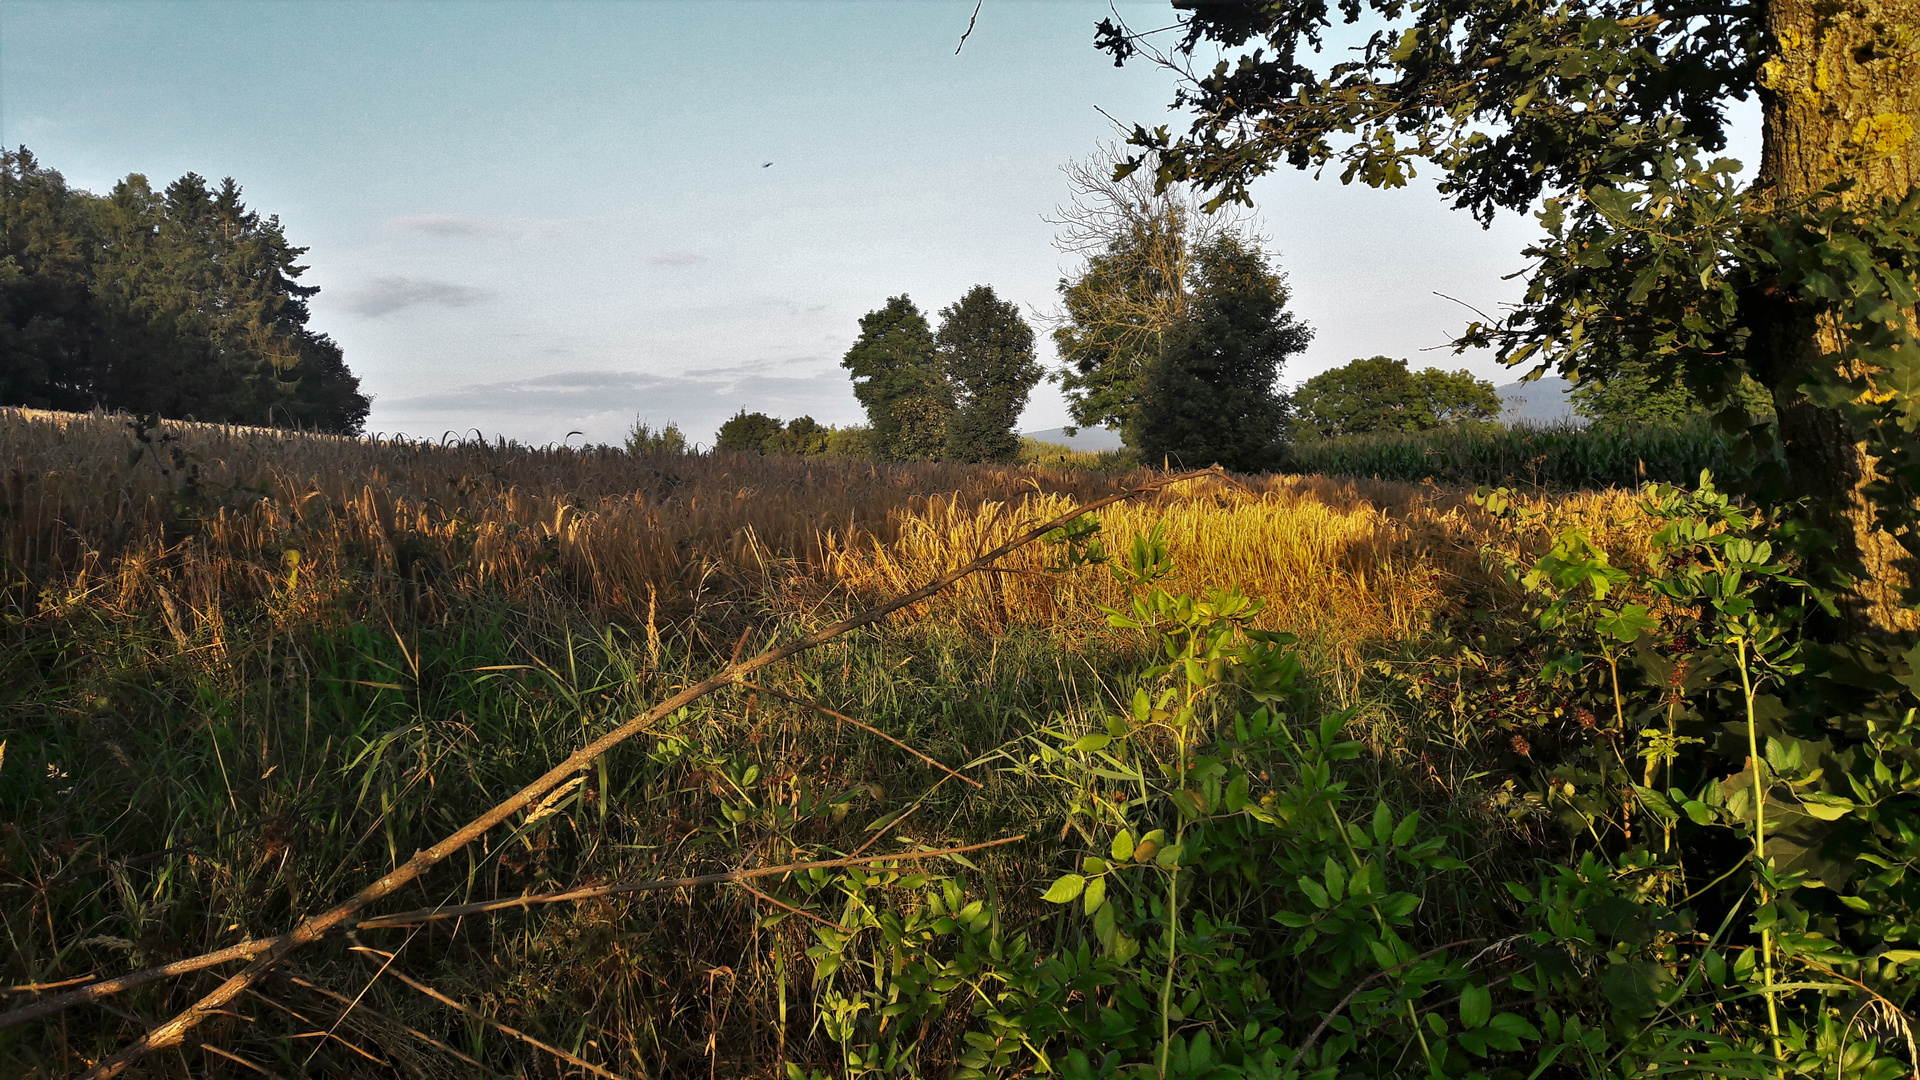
<point x="386" y="295"/>
<point x="457" y="226"/>
<point x="676" y="258"/>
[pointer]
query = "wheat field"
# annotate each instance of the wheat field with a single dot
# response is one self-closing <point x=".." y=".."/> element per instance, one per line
<point x="249" y="669"/>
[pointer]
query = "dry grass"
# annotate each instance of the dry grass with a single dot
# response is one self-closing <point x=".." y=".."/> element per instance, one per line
<point x="314" y="526"/>
<point x="402" y="525"/>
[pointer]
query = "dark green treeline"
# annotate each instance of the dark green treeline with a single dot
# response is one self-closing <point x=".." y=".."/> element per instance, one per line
<point x="181" y="302"/>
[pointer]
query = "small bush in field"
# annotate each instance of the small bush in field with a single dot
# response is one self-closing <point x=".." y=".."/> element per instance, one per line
<point x="643" y="438"/>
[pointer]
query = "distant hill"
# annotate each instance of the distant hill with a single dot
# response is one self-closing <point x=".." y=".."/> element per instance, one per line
<point x="1544" y="401"/>
<point x="1094" y="439"/>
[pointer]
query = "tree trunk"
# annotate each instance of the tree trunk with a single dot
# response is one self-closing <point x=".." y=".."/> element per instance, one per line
<point x="1841" y="97"/>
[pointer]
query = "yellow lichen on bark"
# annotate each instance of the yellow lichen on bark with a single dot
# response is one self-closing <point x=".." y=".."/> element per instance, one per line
<point x="1841" y="94"/>
<point x="1883" y="134"/>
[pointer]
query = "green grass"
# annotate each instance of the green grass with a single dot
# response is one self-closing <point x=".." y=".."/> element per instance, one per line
<point x="175" y="803"/>
<point x="1559" y="457"/>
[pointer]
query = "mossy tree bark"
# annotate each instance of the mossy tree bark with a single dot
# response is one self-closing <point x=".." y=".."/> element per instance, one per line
<point x="1841" y="96"/>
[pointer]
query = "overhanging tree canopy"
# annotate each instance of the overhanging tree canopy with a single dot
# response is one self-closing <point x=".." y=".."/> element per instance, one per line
<point x="1605" y="117"/>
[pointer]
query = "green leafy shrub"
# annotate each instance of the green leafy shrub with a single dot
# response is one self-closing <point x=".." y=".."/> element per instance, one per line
<point x="643" y="438"/>
<point x="1725" y="894"/>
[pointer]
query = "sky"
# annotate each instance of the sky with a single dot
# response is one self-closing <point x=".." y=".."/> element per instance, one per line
<point x="528" y="219"/>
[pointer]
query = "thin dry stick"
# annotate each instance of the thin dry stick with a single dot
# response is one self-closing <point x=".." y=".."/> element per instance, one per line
<point x="421" y="1035"/>
<point x="321" y="1035"/>
<point x="824" y="711"/>
<point x="777" y="902"/>
<point x="410" y="918"/>
<point x="348" y="1011"/>
<point x="39" y="988"/>
<point x="898" y="818"/>
<point x="172" y="1032"/>
<point x="515" y="1032"/>
<point x="212" y="1049"/>
<point x="1355" y="992"/>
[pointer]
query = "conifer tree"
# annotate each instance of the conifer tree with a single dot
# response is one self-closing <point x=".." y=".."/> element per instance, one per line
<point x="986" y="351"/>
<point x="1213" y="395"/>
<point x="47" y="242"/>
<point x="897" y="379"/>
<point x="183" y="303"/>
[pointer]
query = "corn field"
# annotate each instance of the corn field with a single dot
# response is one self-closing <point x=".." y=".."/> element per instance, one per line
<point x="1562" y="458"/>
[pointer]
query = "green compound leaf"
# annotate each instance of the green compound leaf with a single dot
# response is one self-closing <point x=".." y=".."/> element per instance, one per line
<point x="1065" y="889"/>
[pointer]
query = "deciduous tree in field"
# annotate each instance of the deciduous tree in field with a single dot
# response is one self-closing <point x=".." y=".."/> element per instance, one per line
<point x="1139" y="246"/>
<point x="1212" y="396"/>
<point x="897" y="379"/>
<point x="747" y="433"/>
<point x="1380" y="394"/>
<point x="644" y="438"/>
<point x="1607" y="116"/>
<point x="802" y="437"/>
<point x="985" y="349"/>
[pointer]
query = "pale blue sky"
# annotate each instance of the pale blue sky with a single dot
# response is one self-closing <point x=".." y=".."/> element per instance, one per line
<point x="533" y="218"/>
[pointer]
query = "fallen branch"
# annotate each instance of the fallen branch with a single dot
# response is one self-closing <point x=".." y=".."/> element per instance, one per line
<point x="248" y="949"/>
<point x="174" y="1031"/>
<point x="779" y="903"/>
<point x="824" y="711"/>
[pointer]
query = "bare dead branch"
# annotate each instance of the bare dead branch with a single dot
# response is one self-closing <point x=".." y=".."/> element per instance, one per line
<point x="246" y="950"/>
<point x="174" y="1031"/>
<point x="41" y="988"/>
<point x="483" y="907"/>
<point x="963" y="37"/>
<point x="803" y="912"/>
